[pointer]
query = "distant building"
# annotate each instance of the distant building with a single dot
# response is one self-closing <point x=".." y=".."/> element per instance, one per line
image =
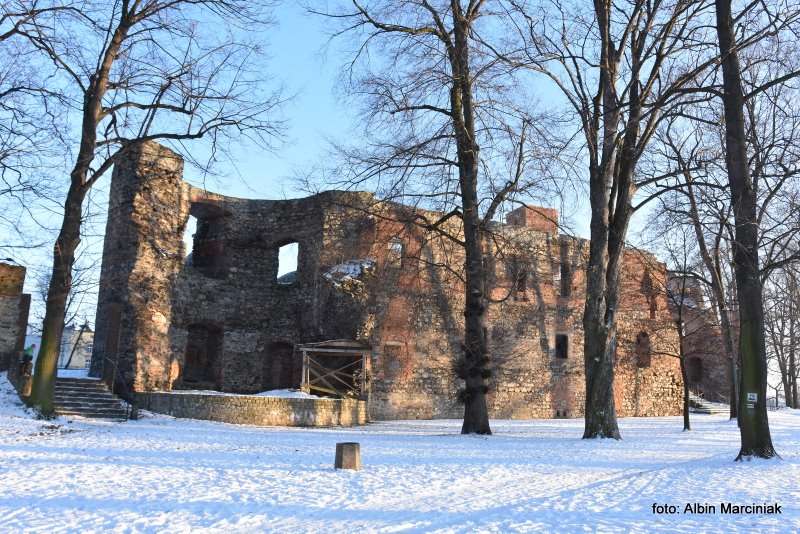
<point x="76" y="347"/>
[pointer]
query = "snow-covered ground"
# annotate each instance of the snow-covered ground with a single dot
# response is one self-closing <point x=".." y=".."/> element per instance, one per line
<point x="279" y="393"/>
<point x="164" y="474"/>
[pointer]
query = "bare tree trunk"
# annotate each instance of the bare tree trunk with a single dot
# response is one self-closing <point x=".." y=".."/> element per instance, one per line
<point x="713" y="266"/>
<point x="787" y="385"/>
<point x="56" y="306"/>
<point x="790" y="387"/>
<point x="682" y="354"/>
<point x="686" y="424"/>
<point x="754" y="424"/>
<point x="476" y="415"/>
<point x="793" y="297"/>
<point x="599" y="320"/>
<point x="599" y="346"/>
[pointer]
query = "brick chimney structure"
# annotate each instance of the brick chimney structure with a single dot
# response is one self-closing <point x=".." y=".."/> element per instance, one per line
<point x="534" y="217"/>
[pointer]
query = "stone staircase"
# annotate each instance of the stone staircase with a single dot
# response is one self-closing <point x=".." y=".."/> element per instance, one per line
<point x="87" y="398"/>
<point x="698" y="404"/>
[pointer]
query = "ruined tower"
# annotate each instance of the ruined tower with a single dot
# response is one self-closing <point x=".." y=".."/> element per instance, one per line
<point x="142" y="253"/>
<point x="14" y="306"/>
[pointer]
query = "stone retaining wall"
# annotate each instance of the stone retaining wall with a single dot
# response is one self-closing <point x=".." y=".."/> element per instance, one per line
<point x="253" y="410"/>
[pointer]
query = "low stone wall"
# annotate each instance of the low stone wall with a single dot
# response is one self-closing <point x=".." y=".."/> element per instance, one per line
<point x="253" y="410"/>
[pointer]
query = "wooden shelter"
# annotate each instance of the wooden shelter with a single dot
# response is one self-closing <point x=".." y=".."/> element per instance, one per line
<point x="337" y="368"/>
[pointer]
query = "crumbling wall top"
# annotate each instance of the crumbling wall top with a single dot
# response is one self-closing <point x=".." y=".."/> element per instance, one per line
<point x="12" y="278"/>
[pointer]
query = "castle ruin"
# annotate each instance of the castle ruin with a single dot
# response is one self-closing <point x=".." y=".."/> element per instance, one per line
<point x="368" y="284"/>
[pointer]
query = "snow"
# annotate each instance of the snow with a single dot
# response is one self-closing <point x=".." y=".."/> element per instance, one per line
<point x="287" y="394"/>
<point x="165" y="474"/>
<point x="349" y="270"/>
<point x="279" y="393"/>
<point x="75" y="373"/>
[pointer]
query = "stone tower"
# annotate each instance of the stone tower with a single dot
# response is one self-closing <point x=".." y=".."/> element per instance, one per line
<point x="14" y="306"/>
<point x="142" y="254"/>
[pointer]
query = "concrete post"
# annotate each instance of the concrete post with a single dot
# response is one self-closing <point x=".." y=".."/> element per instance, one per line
<point x="348" y="456"/>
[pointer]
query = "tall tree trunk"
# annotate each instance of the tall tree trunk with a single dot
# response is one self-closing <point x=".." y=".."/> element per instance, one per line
<point x="791" y="382"/>
<point x="713" y="266"/>
<point x="56" y="306"/>
<point x="793" y="296"/>
<point x="682" y="357"/>
<point x="787" y="385"/>
<point x="69" y="237"/>
<point x="754" y="425"/>
<point x="686" y="424"/>
<point x="599" y="320"/>
<point x="474" y="370"/>
<point x="599" y="341"/>
<point x="476" y="416"/>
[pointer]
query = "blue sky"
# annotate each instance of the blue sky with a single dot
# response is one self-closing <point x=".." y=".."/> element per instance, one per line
<point x="308" y="65"/>
<point x="298" y="61"/>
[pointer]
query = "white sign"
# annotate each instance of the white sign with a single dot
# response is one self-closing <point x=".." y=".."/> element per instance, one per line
<point x="752" y="397"/>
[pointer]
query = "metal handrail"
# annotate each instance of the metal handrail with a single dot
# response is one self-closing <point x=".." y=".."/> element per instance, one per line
<point x="127" y="395"/>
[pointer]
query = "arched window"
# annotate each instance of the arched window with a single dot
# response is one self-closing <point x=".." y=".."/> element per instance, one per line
<point x="288" y="255"/>
<point x="394" y="253"/>
<point x="643" y="351"/>
<point x="517" y="272"/>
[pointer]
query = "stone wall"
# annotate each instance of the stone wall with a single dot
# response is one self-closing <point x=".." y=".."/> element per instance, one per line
<point x="259" y="411"/>
<point x="220" y="317"/>
<point x="14" y="308"/>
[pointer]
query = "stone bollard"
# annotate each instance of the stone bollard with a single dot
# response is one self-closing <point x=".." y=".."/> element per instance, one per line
<point x="348" y="456"/>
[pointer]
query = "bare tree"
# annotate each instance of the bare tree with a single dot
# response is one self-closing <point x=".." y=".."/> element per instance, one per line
<point x="753" y="421"/>
<point x="678" y="295"/>
<point x="700" y="200"/>
<point x="135" y="70"/>
<point x="621" y="71"/>
<point x="29" y="126"/>
<point x="782" y="321"/>
<point x="445" y="134"/>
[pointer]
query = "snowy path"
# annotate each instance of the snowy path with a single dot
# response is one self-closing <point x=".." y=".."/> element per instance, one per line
<point x="163" y="474"/>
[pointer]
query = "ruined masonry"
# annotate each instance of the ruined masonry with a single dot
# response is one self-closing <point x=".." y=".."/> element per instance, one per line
<point x="222" y="318"/>
<point x="14" y="306"/>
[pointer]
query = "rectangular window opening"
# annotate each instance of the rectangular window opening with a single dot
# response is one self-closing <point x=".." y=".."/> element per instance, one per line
<point x="566" y="280"/>
<point x="562" y="346"/>
<point x="288" y="255"/>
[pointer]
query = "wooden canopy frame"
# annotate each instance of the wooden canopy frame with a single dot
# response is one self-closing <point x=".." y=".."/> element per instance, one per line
<point x="338" y="368"/>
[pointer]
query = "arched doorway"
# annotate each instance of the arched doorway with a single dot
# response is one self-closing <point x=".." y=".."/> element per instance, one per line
<point x="201" y="360"/>
<point x="643" y="350"/>
<point x="278" y="367"/>
<point x="695" y="370"/>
